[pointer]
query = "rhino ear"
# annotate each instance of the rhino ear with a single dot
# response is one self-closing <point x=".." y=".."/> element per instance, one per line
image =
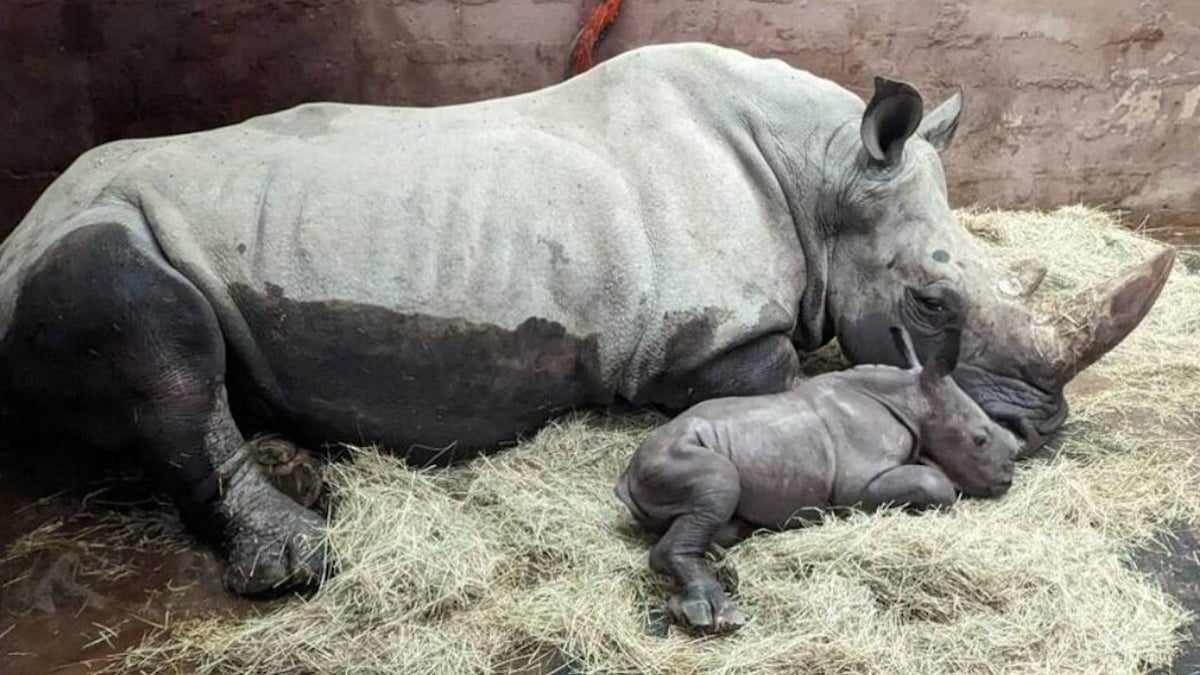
<point x="939" y="126"/>
<point x="891" y="117"/>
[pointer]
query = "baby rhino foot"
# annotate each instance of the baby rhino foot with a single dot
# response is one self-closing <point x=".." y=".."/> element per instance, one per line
<point x="276" y="546"/>
<point x="291" y="469"/>
<point x="706" y="609"/>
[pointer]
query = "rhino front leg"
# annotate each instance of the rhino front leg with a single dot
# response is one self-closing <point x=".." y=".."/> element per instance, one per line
<point x="696" y="491"/>
<point x="291" y="469"/>
<point x="734" y="532"/>
<point x="766" y="364"/>
<point x="917" y="486"/>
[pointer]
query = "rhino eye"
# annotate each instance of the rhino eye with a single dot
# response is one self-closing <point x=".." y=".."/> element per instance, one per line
<point x="932" y="303"/>
<point x="979" y="438"/>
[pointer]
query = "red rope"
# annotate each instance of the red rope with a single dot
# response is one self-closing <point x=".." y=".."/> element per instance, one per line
<point x="585" y="41"/>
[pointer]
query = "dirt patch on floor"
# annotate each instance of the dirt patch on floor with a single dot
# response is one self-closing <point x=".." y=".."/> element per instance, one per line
<point x="91" y="562"/>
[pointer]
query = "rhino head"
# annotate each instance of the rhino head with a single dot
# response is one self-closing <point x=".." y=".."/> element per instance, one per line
<point x="896" y="248"/>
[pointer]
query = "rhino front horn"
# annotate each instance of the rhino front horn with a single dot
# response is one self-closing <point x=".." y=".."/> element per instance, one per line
<point x="1102" y="316"/>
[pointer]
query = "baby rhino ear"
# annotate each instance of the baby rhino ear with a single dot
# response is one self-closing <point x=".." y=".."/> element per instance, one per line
<point x="904" y="345"/>
<point x="944" y="358"/>
<point x="947" y="340"/>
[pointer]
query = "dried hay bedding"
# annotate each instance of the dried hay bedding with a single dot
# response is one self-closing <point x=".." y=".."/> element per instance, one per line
<point x="477" y="568"/>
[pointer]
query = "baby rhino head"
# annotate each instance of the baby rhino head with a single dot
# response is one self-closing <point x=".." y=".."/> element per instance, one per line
<point x="975" y="452"/>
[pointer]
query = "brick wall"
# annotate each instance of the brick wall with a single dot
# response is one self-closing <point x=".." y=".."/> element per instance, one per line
<point x="1077" y="100"/>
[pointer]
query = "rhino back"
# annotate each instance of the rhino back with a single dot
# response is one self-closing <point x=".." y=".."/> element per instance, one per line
<point x="377" y="269"/>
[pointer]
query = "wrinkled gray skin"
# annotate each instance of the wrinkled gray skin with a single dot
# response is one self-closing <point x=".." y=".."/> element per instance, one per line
<point x="864" y="437"/>
<point x="671" y="226"/>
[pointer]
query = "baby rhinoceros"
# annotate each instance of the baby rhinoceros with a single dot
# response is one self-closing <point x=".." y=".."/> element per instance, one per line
<point x="862" y="437"/>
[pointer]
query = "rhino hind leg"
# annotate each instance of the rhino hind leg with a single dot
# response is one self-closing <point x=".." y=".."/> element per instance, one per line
<point x="696" y="490"/>
<point x="734" y="532"/>
<point x="115" y="348"/>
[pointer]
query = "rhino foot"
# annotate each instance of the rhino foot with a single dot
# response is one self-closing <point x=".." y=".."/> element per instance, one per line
<point x="272" y="542"/>
<point x="279" y="546"/>
<point x="706" y="609"/>
<point x="291" y="469"/>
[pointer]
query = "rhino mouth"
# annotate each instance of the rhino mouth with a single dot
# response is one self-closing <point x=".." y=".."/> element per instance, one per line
<point x="1027" y="410"/>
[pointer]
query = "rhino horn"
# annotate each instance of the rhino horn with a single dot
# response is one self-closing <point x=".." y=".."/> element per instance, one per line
<point x="1101" y="317"/>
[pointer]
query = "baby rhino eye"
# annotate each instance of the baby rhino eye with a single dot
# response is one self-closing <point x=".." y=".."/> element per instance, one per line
<point x="980" y="438"/>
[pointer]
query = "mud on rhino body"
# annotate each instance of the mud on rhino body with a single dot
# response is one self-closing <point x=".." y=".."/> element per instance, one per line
<point x="669" y="227"/>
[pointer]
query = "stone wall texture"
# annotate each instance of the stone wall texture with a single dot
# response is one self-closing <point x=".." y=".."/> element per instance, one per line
<point x="1094" y="101"/>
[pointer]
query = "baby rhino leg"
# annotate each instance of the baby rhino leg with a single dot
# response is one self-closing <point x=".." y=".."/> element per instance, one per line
<point x="732" y="533"/>
<point x="917" y="486"/>
<point x="693" y="492"/>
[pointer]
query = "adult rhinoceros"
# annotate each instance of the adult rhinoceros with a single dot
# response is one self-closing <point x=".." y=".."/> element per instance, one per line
<point x="671" y="226"/>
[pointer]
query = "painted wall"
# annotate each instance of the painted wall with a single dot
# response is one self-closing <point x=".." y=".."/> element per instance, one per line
<point x="1077" y="100"/>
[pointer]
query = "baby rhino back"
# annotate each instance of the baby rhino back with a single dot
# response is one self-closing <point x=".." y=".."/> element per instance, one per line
<point x="728" y="466"/>
<point x="866" y="437"/>
<point x="813" y="447"/>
